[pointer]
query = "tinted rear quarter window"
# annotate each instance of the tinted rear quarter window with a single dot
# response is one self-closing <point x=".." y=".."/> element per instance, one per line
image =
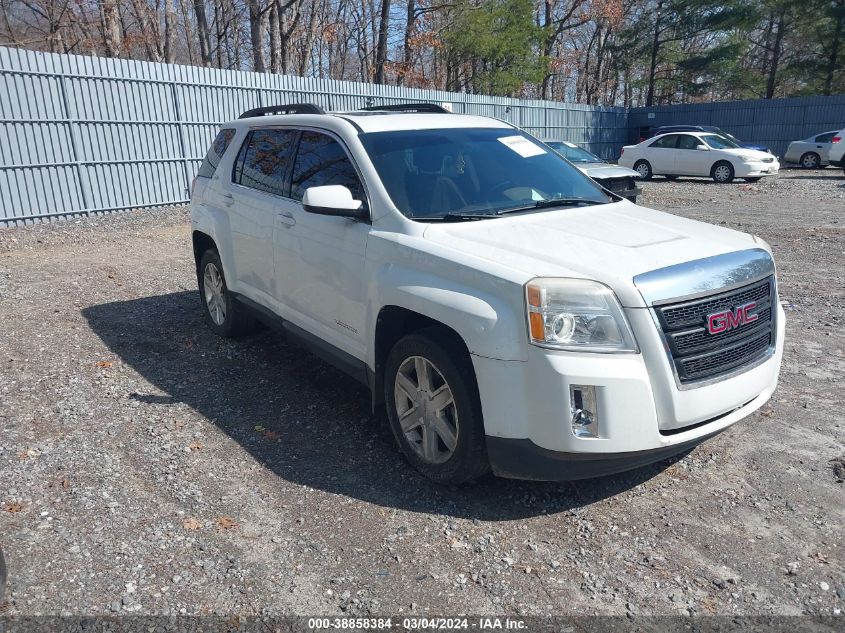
<point x="263" y="161"/>
<point x="320" y="161"/>
<point x="215" y="152"/>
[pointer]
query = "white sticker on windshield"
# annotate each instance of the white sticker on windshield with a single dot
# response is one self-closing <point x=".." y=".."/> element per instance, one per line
<point x="522" y="146"/>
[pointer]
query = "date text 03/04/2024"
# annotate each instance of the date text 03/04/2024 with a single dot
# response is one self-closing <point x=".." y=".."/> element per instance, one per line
<point x="418" y="623"/>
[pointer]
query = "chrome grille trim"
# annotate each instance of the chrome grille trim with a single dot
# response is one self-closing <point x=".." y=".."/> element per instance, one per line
<point x="699" y="358"/>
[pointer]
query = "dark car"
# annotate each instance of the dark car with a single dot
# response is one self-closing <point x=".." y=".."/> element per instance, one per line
<point x="620" y="180"/>
<point x="666" y="129"/>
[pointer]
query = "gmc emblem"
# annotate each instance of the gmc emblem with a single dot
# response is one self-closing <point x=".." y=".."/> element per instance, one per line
<point x="719" y="322"/>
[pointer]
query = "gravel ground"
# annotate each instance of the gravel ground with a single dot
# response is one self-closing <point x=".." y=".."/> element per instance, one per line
<point x="149" y="467"/>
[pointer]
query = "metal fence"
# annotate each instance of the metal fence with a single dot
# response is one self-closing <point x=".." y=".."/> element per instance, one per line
<point x="770" y="122"/>
<point x="87" y="135"/>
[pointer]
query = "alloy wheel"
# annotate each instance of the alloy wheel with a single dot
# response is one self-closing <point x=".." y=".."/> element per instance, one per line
<point x="810" y="161"/>
<point x="215" y="293"/>
<point x="426" y="410"/>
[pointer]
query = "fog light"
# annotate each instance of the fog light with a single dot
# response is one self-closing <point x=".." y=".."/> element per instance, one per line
<point x="582" y="406"/>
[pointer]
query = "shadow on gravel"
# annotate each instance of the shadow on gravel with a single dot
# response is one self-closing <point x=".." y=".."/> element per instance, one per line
<point x="306" y="421"/>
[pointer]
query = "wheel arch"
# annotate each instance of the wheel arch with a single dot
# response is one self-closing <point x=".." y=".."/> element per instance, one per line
<point x="201" y="242"/>
<point x="393" y="323"/>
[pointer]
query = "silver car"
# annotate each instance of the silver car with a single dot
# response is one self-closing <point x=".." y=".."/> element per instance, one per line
<point x="620" y="180"/>
<point x="811" y="153"/>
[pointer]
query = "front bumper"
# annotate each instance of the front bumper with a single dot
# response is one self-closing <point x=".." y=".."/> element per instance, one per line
<point x="755" y="169"/>
<point x="643" y="416"/>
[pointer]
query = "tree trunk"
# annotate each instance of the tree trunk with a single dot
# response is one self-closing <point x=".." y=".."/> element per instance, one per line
<point x="203" y="33"/>
<point x="309" y="37"/>
<point x="655" y="46"/>
<point x="381" y="47"/>
<point x="169" y="27"/>
<point x="777" y="51"/>
<point x="256" y="36"/>
<point x="408" y="53"/>
<point x="111" y="28"/>
<point x="275" y="37"/>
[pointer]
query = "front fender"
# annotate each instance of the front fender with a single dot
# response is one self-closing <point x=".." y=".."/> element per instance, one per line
<point x="486" y="312"/>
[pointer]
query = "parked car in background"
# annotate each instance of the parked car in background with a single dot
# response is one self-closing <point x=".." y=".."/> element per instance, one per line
<point x="620" y="180"/>
<point x="666" y="129"/>
<point x="505" y="311"/>
<point x="836" y="154"/>
<point x="698" y="154"/>
<point x="812" y="152"/>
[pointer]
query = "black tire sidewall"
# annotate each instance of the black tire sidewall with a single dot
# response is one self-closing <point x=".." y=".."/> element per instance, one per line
<point x="805" y="155"/>
<point x="729" y="179"/>
<point x="227" y="328"/>
<point x="642" y="161"/>
<point x="469" y="460"/>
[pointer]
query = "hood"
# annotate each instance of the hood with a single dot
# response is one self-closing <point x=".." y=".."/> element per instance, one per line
<point x="604" y="170"/>
<point x="759" y="148"/>
<point x="610" y="243"/>
<point x="744" y="151"/>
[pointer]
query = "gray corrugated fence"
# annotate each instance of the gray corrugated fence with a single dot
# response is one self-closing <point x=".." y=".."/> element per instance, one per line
<point x="86" y="135"/>
<point x="770" y="122"/>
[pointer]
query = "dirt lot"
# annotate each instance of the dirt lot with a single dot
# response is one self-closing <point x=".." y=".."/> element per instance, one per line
<point x="148" y="467"/>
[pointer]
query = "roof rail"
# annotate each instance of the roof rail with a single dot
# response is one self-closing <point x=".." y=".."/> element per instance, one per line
<point x="290" y="108"/>
<point x="409" y="107"/>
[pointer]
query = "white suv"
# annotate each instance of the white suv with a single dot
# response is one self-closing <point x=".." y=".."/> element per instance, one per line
<point x="507" y="312"/>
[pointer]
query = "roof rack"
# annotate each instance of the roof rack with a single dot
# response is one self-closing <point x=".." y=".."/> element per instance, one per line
<point x="290" y="108"/>
<point x="409" y="107"/>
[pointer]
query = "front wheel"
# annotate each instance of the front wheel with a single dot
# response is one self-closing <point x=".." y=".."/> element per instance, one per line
<point x="433" y="407"/>
<point x="643" y="167"/>
<point x="722" y="172"/>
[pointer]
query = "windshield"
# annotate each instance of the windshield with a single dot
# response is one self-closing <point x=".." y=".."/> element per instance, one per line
<point x="474" y="171"/>
<point x="572" y="153"/>
<point x="718" y="142"/>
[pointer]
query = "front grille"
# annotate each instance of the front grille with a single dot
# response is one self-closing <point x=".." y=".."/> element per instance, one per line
<point x="618" y="185"/>
<point x="698" y="354"/>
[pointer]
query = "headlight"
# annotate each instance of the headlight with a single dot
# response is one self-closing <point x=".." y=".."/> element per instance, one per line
<point x="749" y="159"/>
<point x="576" y="315"/>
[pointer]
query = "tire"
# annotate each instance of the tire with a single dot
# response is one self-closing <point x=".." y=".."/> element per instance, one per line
<point x="810" y="160"/>
<point x="644" y="167"/>
<point x="222" y="313"/>
<point x="722" y="172"/>
<point x="754" y="179"/>
<point x="426" y="438"/>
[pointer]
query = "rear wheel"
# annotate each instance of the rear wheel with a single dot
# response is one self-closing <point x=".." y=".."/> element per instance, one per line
<point x="222" y="313"/>
<point x="810" y="160"/>
<point x="722" y="172"/>
<point x="434" y="409"/>
<point x="644" y="169"/>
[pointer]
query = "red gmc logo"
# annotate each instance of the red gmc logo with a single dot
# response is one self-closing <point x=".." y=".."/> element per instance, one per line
<point x="719" y="322"/>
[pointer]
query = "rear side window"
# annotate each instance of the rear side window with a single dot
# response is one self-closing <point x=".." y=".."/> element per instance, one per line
<point x="320" y="161"/>
<point x="666" y="142"/>
<point x="215" y="153"/>
<point x="263" y="160"/>
<point x="825" y="138"/>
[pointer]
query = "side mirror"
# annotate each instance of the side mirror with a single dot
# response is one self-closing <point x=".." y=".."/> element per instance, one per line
<point x="334" y="200"/>
<point x="702" y="148"/>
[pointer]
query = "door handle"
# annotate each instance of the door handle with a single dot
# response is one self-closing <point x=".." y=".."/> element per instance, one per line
<point x="286" y="219"/>
<point x="228" y="199"/>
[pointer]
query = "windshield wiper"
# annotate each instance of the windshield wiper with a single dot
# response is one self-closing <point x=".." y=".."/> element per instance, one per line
<point x="456" y="217"/>
<point x="551" y="202"/>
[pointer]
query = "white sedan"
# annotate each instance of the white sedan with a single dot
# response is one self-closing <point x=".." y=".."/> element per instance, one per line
<point x="811" y="153"/>
<point x="697" y="154"/>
